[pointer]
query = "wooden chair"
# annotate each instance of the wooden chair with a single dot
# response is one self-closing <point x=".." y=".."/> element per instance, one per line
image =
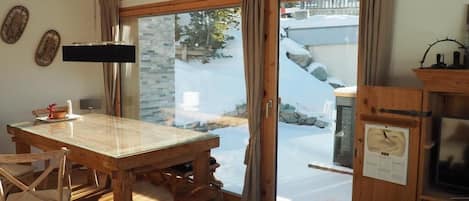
<point x="57" y="159"/>
<point x="18" y="171"/>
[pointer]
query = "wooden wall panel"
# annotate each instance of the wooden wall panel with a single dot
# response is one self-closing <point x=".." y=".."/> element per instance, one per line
<point x="369" y="102"/>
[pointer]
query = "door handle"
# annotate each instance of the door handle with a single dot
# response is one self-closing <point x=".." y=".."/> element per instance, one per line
<point x="268" y="106"/>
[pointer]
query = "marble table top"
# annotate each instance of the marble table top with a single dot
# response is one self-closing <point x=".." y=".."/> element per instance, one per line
<point x="113" y="136"/>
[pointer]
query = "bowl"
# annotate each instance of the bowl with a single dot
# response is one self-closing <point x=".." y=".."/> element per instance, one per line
<point x="59" y="115"/>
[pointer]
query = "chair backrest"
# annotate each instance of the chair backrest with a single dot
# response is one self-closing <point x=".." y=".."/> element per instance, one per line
<point x="45" y="111"/>
<point x="57" y="159"/>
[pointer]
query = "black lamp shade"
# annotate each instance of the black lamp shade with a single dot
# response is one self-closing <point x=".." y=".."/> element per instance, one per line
<point x="99" y="53"/>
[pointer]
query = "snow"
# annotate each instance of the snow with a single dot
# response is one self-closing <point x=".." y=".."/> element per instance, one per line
<point x="346" y="90"/>
<point x="297" y="147"/>
<point x="302" y="90"/>
<point x="294" y="48"/>
<point x="207" y="91"/>
<point x="319" y="21"/>
<point x="222" y="81"/>
<point x="219" y="84"/>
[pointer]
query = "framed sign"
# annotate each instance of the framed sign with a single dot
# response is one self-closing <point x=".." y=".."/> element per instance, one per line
<point x="14" y="24"/>
<point x="47" y="48"/>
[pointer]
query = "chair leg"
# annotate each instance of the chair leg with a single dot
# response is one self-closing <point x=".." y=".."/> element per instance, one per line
<point x="2" y="193"/>
<point x="68" y="174"/>
<point x="95" y="178"/>
<point x="44" y="184"/>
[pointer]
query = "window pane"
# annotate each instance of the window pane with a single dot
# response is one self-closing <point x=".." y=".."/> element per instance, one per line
<point x="317" y="59"/>
<point x="190" y="75"/>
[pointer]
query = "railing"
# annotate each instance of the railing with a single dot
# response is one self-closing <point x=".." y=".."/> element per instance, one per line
<point x="330" y="4"/>
<point x="331" y="7"/>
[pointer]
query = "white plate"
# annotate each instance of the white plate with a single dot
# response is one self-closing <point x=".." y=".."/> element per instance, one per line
<point x="67" y="118"/>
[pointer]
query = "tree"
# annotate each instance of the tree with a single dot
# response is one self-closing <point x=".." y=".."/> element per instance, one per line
<point x="208" y="28"/>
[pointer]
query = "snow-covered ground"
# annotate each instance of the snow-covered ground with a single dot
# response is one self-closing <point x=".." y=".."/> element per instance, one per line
<point x="297" y="147"/>
<point x="207" y="91"/>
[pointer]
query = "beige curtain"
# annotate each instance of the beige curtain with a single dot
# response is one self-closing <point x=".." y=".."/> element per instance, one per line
<point x="375" y="40"/>
<point x="110" y="32"/>
<point x="253" y="45"/>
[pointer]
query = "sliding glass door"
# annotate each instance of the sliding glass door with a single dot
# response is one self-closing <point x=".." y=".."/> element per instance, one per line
<point x="190" y="75"/>
<point x="317" y="83"/>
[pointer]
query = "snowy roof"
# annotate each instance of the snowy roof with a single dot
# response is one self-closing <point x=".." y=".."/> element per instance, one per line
<point x="317" y="21"/>
<point x="322" y="29"/>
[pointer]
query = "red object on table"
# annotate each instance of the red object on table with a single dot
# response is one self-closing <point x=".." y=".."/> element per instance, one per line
<point x="52" y="108"/>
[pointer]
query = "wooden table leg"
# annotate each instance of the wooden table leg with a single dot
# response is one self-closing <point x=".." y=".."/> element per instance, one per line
<point x="122" y="182"/>
<point x="22" y="148"/>
<point x="201" y="169"/>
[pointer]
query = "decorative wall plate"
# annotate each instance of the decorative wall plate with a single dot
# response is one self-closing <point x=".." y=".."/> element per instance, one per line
<point x="47" y="48"/>
<point x="14" y="24"/>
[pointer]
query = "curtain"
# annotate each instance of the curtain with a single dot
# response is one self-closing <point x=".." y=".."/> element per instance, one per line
<point x="376" y="22"/>
<point x="110" y="32"/>
<point x="252" y="12"/>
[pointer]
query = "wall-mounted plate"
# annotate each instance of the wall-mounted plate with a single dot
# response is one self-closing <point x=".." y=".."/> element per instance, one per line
<point x="14" y="24"/>
<point x="47" y="48"/>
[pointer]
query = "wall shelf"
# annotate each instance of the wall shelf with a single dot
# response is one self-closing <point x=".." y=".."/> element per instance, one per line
<point x="443" y="80"/>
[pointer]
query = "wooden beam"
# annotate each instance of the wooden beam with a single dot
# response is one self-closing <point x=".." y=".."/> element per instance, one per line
<point x="176" y="6"/>
<point x="269" y="125"/>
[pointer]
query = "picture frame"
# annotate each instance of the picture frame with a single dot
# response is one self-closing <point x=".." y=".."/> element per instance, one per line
<point x="14" y="24"/>
<point x="386" y="153"/>
<point x="47" y="48"/>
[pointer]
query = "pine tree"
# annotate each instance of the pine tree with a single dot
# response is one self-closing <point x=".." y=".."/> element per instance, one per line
<point x="208" y="28"/>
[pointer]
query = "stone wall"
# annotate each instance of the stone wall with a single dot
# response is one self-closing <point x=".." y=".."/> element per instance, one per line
<point x="157" y="69"/>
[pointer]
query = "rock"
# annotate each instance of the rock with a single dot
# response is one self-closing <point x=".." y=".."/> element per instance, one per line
<point x="335" y="85"/>
<point x="303" y="60"/>
<point x="202" y="128"/>
<point x="288" y="117"/>
<point x="300" y="116"/>
<point x="309" y="121"/>
<point x="287" y="108"/>
<point x="192" y="125"/>
<point x="320" y="73"/>
<point x="321" y="124"/>
<point x="214" y="125"/>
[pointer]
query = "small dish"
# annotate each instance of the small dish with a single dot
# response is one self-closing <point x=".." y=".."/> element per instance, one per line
<point x="66" y="118"/>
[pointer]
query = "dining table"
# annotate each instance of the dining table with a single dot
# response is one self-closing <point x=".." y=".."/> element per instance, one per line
<point x="119" y="146"/>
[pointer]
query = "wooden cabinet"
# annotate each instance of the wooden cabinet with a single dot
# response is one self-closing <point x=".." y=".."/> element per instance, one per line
<point x="445" y="93"/>
<point x="370" y="104"/>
